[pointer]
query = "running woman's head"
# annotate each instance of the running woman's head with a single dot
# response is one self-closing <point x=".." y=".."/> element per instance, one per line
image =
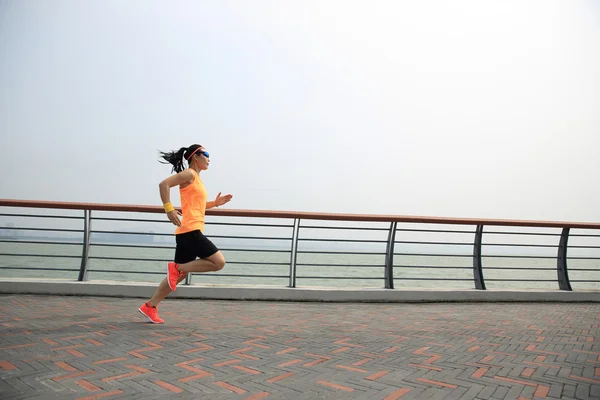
<point x="195" y="155"/>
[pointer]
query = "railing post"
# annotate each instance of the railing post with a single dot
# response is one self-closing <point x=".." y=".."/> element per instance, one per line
<point x="87" y="227"/>
<point x="477" y="266"/>
<point x="389" y="257"/>
<point x="294" y="252"/>
<point x="563" y="275"/>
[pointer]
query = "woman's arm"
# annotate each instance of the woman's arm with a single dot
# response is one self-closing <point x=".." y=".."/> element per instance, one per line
<point x="183" y="178"/>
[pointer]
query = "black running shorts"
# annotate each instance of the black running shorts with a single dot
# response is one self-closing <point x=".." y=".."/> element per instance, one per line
<point x="191" y="245"/>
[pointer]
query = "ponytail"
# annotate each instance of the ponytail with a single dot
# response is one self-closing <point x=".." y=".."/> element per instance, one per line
<point x="176" y="158"/>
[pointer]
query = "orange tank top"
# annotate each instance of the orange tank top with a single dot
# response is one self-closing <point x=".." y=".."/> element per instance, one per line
<point x="193" y="206"/>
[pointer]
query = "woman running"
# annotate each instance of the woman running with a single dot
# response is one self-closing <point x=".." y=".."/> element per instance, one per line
<point x="191" y="243"/>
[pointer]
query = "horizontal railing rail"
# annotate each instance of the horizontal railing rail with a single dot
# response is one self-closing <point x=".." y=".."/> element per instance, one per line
<point x="317" y="248"/>
<point x="301" y="215"/>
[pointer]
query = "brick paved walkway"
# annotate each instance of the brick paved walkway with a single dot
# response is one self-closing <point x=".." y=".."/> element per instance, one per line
<point x="90" y="348"/>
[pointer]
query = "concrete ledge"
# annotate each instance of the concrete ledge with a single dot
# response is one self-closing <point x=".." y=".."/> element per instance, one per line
<point x="278" y="293"/>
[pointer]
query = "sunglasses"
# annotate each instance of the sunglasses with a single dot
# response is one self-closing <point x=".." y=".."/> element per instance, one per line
<point x="204" y="153"/>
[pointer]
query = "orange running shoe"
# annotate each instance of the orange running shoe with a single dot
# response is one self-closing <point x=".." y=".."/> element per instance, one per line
<point x="173" y="275"/>
<point x="151" y="313"/>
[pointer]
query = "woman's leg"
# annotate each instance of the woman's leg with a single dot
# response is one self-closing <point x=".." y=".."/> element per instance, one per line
<point x="149" y="309"/>
<point x="215" y="262"/>
<point x="163" y="291"/>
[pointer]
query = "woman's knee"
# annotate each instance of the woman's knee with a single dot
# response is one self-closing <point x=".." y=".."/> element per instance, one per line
<point x="219" y="261"/>
<point x="220" y="264"/>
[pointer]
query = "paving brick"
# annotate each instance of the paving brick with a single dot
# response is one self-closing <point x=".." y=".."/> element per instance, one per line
<point x="487" y="392"/>
<point x="595" y="391"/>
<point x="582" y="391"/>
<point x="556" y="390"/>
<point x="473" y="391"/>
<point x="500" y="393"/>
<point x="457" y="394"/>
<point x="569" y="390"/>
<point x="513" y="392"/>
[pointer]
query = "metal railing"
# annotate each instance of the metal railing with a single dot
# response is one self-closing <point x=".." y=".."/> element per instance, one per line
<point x="295" y="247"/>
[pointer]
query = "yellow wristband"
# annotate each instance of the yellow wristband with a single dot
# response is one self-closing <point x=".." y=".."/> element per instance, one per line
<point x="168" y="207"/>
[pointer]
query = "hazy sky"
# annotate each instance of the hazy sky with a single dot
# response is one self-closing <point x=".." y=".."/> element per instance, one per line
<point x="444" y="108"/>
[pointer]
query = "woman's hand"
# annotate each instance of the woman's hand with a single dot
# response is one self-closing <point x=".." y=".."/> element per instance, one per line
<point x="220" y="200"/>
<point x="174" y="217"/>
